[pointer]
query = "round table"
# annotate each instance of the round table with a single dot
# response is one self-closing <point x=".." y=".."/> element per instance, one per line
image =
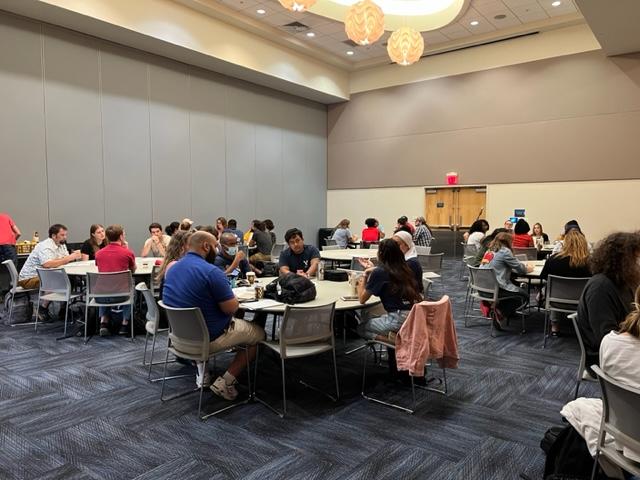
<point x="144" y="266"/>
<point x="346" y="254"/>
<point x="327" y="292"/>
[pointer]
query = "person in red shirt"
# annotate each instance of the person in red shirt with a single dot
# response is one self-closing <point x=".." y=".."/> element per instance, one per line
<point x="9" y="233"/>
<point x="115" y="257"/>
<point x="521" y="237"/>
<point x="372" y="233"/>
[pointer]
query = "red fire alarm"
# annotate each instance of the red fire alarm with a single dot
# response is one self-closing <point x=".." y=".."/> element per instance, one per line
<point x="452" y="178"/>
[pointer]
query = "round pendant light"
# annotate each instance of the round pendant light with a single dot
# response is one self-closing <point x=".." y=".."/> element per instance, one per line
<point x="364" y="23"/>
<point x="405" y="46"/>
<point x="297" y="5"/>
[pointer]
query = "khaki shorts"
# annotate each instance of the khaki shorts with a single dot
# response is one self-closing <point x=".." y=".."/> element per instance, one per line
<point x="239" y="332"/>
<point x="33" y="282"/>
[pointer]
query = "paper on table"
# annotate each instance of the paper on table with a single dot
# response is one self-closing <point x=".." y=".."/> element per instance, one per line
<point x="260" y="304"/>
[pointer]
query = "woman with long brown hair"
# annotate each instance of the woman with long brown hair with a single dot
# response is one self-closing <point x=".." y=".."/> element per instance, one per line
<point x="394" y="282"/>
<point x="572" y="261"/>
<point x="504" y="264"/>
<point x="608" y="296"/>
<point x="175" y="251"/>
<point x="96" y="241"/>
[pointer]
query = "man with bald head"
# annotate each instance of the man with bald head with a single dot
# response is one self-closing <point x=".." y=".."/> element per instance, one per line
<point x="195" y="282"/>
<point x="230" y="259"/>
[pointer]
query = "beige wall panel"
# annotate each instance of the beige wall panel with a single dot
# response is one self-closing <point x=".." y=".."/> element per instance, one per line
<point x="562" y="112"/>
<point x="599" y="207"/>
<point x="587" y="148"/>
<point x="23" y="191"/>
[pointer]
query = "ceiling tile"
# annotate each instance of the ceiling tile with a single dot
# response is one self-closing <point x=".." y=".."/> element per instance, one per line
<point x="434" y="37"/>
<point x="509" y="21"/>
<point x="533" y="16"/>
<point x="491" y="8"/>
<point x="330" y="28"/>
<point x="516" y="3"/>
<point x="278" y="19"/>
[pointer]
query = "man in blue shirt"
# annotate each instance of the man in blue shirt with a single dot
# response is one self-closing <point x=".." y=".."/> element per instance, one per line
<point x="232" y="226"/>
<point x="195" y="282"/>
<point x="229" y="259"/>
<point x="298" y="258"/>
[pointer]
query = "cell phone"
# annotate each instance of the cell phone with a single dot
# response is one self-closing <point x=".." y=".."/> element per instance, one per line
<point x="349" y="298"/>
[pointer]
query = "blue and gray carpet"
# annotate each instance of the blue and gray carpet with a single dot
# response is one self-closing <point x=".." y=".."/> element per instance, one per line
<point x="75" y="411"/>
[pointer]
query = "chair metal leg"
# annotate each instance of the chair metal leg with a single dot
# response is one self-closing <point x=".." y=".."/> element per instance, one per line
<point x="153" y="346"/>
<point x="575" y="395"/>
<point x="546" y="328"/>
<point x="382" y="402"/>
<point x="284" y="389"/>
<point x="37" y="311"/>
<point x="164" y="375"/>
<point x="335" y="372"/>
<point x="13" y="297"/>
<point x="595" y="465"/>
<point x="200" y="399"/>
<point x="131" y="319"/>
<point x="144" y="355"/>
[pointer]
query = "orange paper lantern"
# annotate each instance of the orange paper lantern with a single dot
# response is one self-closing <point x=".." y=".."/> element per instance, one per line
<point x="364" y="23"/>
<point x="405" y="46"/>
<point x="297" y="5"/>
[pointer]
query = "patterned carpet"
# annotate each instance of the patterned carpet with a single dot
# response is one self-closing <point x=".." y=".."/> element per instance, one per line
<point x="75" y="411"/>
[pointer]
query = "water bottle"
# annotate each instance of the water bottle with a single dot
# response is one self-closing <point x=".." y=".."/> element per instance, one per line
<point x="36" y="237"/>
<point x="321" y="270"/>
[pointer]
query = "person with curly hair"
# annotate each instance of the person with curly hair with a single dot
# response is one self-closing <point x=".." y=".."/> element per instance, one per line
<point x="608" y="297"/>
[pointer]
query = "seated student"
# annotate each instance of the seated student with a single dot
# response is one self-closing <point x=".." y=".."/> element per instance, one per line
<point x="195" y="282"/>
<point x="608" y="296"/>
<point x="477" y="232"/>
<point x="50" y="253"/>
<point x="521" y="237"/>
<point x="268" y="223"/>
<point x="372" y="233"/>
<point x="221" y="225"/>
<point x="485" y="254"/>
<point x="539" y="235"/>
<point x="232" y="226"/>
<point x="508" y="225"/>
<point x="229" y="259"/>
<point x="206" y="228"/>
<point x="395" y="283"/>
<point x="620" y="359"/>
<point x="97" y="240"/>
<point x="423" y="235"/>
<point x="504" y="264"/>
<point x="115" y="257"/>
<point x="408" y="248"/>
<point x="403" y="221"/>
<point x="572" y="261"/>
<point x="570" y="225"/>
<point x="156" y="244"/>
<point x="175" y="251"/>
<point x="298" y="258"/>
<point x="342" y="235"/>
<point x="262" y="241"/>
<point x="186" y="225"/>
<point x="172" y="228"/>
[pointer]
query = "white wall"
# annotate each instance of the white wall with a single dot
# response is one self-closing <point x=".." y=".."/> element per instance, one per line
<point x="600" y="207"/>
<point x="92" y="132"/>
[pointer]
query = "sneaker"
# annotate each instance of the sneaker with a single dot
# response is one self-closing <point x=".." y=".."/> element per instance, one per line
<point x="220" y="388"/>
<point x="104" y="330"/>
<point x="124" y="329"/>
<point x="207" y="379"/>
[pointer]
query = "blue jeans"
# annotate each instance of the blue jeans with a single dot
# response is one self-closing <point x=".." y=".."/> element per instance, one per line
<point x="126" y="309"/>
<point x="8" y="252"/>
<point x="383" y="324"/>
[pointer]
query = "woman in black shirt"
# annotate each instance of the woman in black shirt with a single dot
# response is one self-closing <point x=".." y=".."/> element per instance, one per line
<point x="96" y="241"/>
<point x="394" y="282"/>
<point x="572" y="261"/>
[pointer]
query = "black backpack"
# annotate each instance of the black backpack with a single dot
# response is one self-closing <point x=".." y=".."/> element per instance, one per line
<point x="568" y="457"/>
<point x="291" y="288"/>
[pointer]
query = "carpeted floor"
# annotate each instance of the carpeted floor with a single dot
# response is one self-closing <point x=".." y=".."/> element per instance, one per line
<point x="69" y="410"/>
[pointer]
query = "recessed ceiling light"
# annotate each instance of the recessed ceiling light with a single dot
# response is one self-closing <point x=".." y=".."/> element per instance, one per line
<point x="311" y="34"/>
<point x="350" y="52"/>
<point x="557" y="3"/>
<point x="261" y="11"/>
<point x="474" y="23"/>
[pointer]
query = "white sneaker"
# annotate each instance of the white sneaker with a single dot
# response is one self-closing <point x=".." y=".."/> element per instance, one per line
<point x="220" y="388"/>
<point x="207" y="379"/>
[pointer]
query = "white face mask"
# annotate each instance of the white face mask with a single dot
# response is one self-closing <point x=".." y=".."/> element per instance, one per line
<point x="232" y="250"/>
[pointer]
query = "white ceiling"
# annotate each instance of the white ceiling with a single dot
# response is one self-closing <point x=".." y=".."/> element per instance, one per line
<point x="330" y="35"/>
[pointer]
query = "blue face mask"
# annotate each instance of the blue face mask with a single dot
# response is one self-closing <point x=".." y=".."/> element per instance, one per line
<point x="232" y="250"/>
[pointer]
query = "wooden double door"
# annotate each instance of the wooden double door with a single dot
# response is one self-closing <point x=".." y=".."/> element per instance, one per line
<point x="455" y="207"/>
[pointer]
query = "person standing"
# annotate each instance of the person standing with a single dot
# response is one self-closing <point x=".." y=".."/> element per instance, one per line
<point x="9" y="233"/>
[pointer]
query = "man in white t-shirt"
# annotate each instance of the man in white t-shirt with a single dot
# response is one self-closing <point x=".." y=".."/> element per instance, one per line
<point x="156" y="245"/>
<point x="50" y="253"/>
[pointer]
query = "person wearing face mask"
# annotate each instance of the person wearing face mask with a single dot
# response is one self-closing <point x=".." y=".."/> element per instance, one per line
<point x="229" y="259"/>
<point x="195" y="282"/>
